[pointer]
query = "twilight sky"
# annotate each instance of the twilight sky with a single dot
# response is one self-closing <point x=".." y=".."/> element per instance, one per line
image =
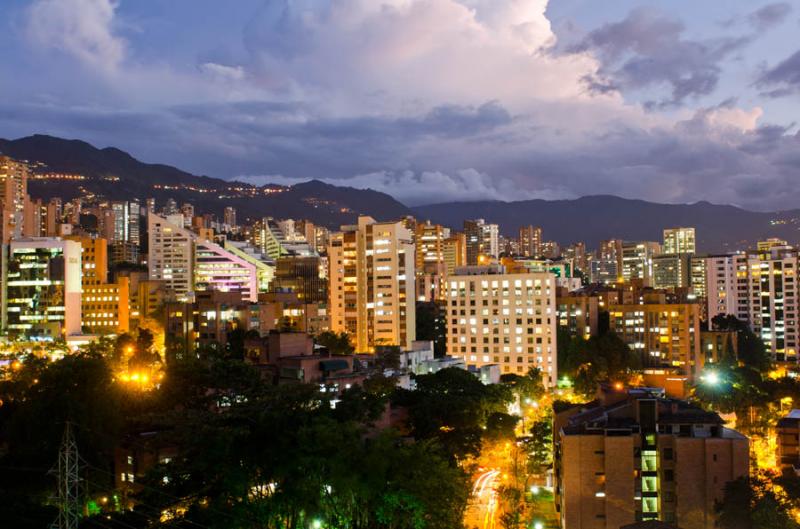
<point x="429" y="100"/>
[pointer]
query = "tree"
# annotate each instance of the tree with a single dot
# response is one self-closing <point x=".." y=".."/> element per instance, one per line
<point x="605" y="358"/>
<point x="38" y="399"/>
<point x="336" y="343"/>
<point x="540" y="445"/>
<point x="453" y="406"/>
<point x="752" y="503"/>
<point x="283" y="458"/>
<point x="752" y="352"/>
<point x="527" y="387"/>
<point x="431" y="326"/>
<point x="501" y="426"/>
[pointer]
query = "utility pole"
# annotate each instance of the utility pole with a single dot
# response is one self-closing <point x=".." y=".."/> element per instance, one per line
<point x="67" y="471"/>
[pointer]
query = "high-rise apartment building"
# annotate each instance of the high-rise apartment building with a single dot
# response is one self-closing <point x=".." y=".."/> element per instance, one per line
<point x="13" y="197"/>
<point x="431" y="267"/>
<point x="671" y="271"/>
<point x="105" y="307"/>
<point x="578" y="314"/>
<point x="429" y="239"/>
<point x="42" y="289"/>
<point x="170" y="255"/>
<point x="530" y="241"/>
<point x="125" y="222"/>
<point x="454" y="252"/>
<point x="637" y="260"/>
<point x="371" y="284"/>
<point x="506" y="319"/>
<point x="609" y="262"/>
<point x="770" y="302"/>
<point x="698" y="277"/>
<point x="679" y="241"/>
<point x="301" y="275"/>
<point x="666" y="335"/>
<point x="229" y="218"/>
<point x="722" y="288"/>
<point x="760" y="288"/>
<point x="636" y="456"/>
<point x="482" y="240"/>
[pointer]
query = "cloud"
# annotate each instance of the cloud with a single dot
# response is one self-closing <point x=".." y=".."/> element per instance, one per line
<point x="782" y="79"/>
<point x="80" y="28"/>
<point x="222" y="72"/>
<point x="429" y="100"/>
<point x="648" y="49"/>
<point x="769" y="15"/>
<point x="423" y="187"/>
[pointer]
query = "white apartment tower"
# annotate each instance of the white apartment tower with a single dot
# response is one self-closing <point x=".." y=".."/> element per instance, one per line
<point x="679" y="241"/>
<point x="371" y="289"/>
<point x="721" y="286"/>
<point x="170" y="253"/>
<point x="761" y="289"/>
<point x="505" y="319"/>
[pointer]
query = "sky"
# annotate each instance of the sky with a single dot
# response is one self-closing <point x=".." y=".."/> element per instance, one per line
<point x="429" y="100"/>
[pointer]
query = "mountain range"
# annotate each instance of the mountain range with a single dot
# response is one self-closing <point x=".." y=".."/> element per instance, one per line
<point x="116" y="175"/>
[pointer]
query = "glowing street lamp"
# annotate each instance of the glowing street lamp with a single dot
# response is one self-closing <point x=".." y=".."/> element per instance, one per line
<point x="711" y="378"/>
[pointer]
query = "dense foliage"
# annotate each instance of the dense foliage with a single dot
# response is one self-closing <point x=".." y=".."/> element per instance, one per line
<point x="247" y="454"/>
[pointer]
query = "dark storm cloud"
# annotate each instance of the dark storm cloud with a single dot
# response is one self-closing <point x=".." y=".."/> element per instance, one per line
<point x="647" y="48"/>
<point x="465" y="152"/>
<point x="782" y="79"/>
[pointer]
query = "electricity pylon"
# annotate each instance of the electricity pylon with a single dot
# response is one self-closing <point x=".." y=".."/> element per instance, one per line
<point x="67" y="471"/>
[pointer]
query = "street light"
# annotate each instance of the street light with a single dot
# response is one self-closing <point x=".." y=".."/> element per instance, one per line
<point x="534" y="490"/>
<point x="538" y="525"/>
<point x="711" y="378"/>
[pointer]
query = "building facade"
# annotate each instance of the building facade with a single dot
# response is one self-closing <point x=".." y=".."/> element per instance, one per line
<point x="42" y="289"/>
<point x="371" y="284"/>
<point x="638" y="456"/>
<point x="170" y="253"/>
<point x="505" y="319"/>
<point x="679" y="241"/>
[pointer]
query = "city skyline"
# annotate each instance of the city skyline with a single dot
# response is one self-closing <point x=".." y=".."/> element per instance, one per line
<point x="399" y="264"/>
<point x="671" y="102"/>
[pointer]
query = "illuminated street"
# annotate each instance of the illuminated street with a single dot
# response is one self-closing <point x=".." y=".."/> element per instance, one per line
<point x="482" y="510"/>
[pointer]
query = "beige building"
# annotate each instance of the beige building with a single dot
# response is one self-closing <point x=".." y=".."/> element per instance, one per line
<point x="505" y="319"/>
<point x="13" y="197"/>
<point x="105" y="306"/>
<point x="371" y="284"/>
<point x="454" y="249"/>
<point x="665" y="334"/>
<point x="636" y="455"/>
<point x="431" y="268"/>
<point x="577" y="313"/>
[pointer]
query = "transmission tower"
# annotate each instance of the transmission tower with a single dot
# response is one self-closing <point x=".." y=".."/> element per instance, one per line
<point x="67" y="471"/>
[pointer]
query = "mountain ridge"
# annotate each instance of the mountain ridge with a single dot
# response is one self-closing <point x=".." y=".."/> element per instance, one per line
<point x="329" y="206"/>
<point x="117" y="175"/>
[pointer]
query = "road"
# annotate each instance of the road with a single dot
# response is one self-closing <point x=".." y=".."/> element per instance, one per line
<point x="482" y="508"/>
